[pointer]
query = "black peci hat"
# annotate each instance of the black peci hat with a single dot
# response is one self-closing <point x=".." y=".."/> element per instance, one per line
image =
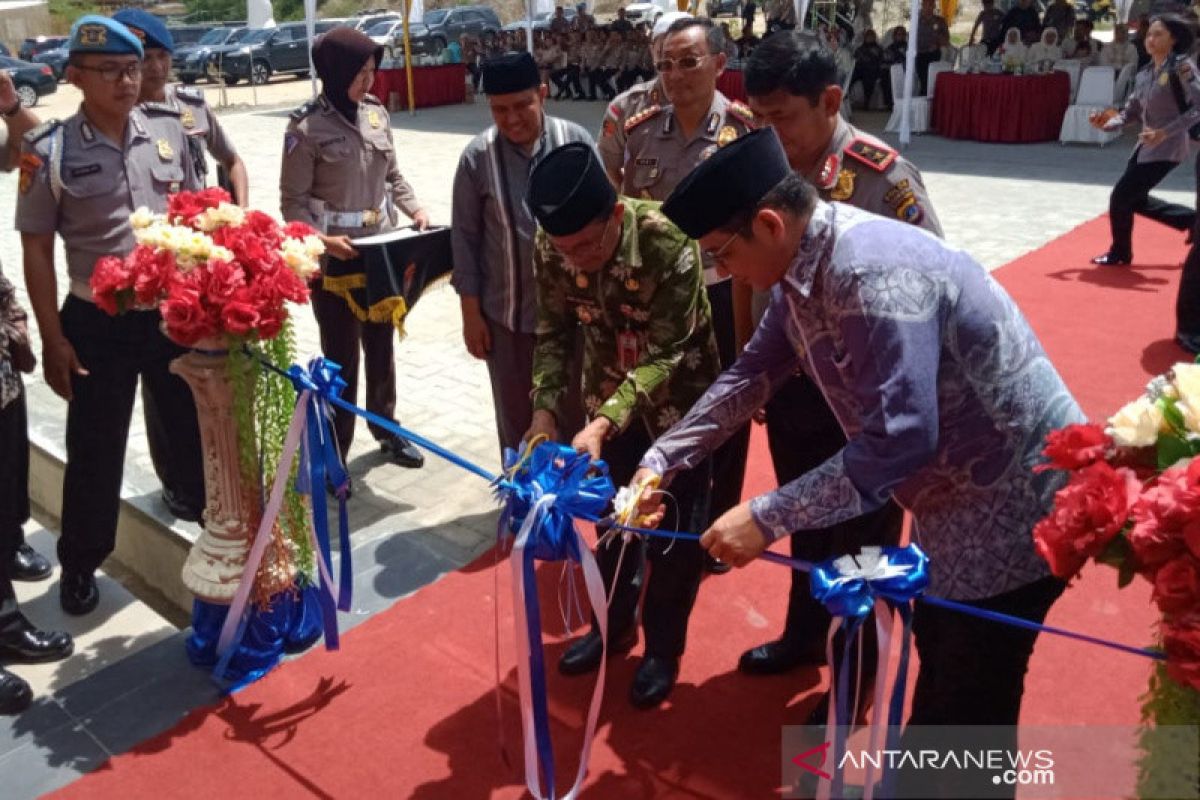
<point x="733" y="179"/>
<point x="569" y="189"/>
<point x="509" y="73"/>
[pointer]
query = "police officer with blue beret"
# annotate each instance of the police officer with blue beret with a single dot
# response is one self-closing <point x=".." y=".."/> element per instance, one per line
<point x="81" y="179"/>
<point x="204" y="132"/>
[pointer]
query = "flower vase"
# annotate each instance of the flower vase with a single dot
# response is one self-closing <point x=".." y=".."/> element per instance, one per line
<point x="215" y="564"/>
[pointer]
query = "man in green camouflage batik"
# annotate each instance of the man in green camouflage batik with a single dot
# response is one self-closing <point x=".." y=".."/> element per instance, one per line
<point x="621" y="273"/>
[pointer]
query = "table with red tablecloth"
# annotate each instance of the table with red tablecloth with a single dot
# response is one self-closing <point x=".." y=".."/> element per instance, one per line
<point x="1001" y="108"/>
<point x="442" y="85"/>
<point x="730" y="84"/>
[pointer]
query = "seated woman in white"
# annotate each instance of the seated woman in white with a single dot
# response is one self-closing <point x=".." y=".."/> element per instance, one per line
<point x="1043" y="54"/>
<point x="1012" y="51"/>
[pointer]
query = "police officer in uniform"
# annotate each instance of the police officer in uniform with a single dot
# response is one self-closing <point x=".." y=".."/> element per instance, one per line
<point x="204" y="132"/>
<point x="1160" y="104"/>
<point x="82" y="179"/>
<point x="339" y="175"/>
<point x="611" y="144"/>
<point x="629" y="282"/>
<point x="792" y="84"/>
<point x="664" y="144"/>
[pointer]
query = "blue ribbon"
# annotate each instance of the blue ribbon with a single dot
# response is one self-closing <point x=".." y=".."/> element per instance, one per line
<point x="582" y="489"/>
<point x="850" y="596"/>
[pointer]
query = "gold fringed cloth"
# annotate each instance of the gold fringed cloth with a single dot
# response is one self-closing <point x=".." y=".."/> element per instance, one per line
<point x="394" y="271"/>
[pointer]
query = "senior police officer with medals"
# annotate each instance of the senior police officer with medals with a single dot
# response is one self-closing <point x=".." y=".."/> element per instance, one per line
<point x="492" y="233"/>
<point x="204" y="131"/>
<point x="339" y="174"/>
<point x="792" y="85"/>
<point x="82" y="179"/>
<point x="617" y="272"/>
<point x="945" y="395"/>
<point x="611" y="144"/>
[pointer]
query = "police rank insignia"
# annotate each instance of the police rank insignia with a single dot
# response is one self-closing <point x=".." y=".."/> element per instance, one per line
<point x="877" y="156"/>
<point x="373" y="118"/>
<point x="164" y="150"/>
<point x="187" y="119"/>
<point x="727" y="135"/>
<point x="844" y="189"/>
<point x="93" y="35"/>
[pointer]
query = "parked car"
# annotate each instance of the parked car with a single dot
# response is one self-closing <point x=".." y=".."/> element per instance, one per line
<point x="39" y="44"/>
<point x="368" y="21"/>
<point x="190" y="62"/>
<point x="444" y="25"/>
<point x="189" y="34"/>
<point x="646" y="12"/>
<point x="56" y="59"/>
<point x="724" y="8"/>
<point x="541" y="21"/>
<point x="31" y="80"/>
<point x="385" y="32"/>
<point x="270" y="51"/>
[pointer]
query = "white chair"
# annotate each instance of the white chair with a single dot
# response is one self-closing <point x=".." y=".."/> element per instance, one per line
<point x="1095" y="94"/>
<point x="918" y="118"/>
<point x="1124" y="84"/>
<point x="1070" y="67"/>
<point x="971" y="55"/>
<point x="935" y="69"/>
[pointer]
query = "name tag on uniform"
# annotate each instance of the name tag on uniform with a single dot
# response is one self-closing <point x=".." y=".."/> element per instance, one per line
<point x="627" y="350"/>
<point x="89" y="169"/>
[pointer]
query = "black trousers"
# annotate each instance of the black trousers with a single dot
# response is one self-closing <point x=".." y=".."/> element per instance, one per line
<point x="343" y="338"/>
<point x="1131" y="196"/>
<point x="923" y="62"/>
<point x="802" y="433"/>
<point x="116" y="352"/>
<point x="566" y="81"/>
<point x="14" y="501"/>
<point x="601" y="79"/>
<point x="1187" y="302"/>
<point x="729" y="460"/>
<point x="868" y="77"/>
<point x="972" y="673"/>
<point x="670" y="570"/>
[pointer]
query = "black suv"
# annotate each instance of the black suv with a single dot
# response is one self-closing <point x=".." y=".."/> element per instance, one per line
<point x="444" y="25"/>
<point x="267" y="51"/>
<point x="190" y="62"/>
<point x="40" y="44"/>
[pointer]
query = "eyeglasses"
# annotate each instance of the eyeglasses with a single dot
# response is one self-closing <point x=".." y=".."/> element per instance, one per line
<point x="580" y="255"/>
<point x="717" y="256"/>
<point x="114" y="72"/>
<point x="686" y="64"/>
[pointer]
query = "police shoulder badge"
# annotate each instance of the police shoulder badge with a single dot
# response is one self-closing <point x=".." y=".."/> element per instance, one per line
<point x="187" y="119"/>
<point x="727" y="135"/>
<point x="165" y="152"/>
<point x="844" y="189"/>
<point x="875" y="154"/>
<point x="609" y="128"/>
<point x="30" y="164"/>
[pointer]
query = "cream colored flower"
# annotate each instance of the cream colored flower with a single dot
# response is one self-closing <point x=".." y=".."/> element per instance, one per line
<point x="1186" y="379"/>
<point x="224" y="214"/>
<point x="1137" y="424"/>
<point x="142" y="218"/>
<point x="297" y="254"/>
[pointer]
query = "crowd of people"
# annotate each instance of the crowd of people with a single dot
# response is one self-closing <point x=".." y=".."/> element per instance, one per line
<point x="640" y="294"/>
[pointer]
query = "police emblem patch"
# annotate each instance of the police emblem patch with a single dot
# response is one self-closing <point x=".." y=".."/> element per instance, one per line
<point x="727" y="135"/>
<point x="844" y="189"/>
<point x="373" y="118"/>
<point x="93" y="35"/>
<point x="187" y="119"/>
<point x="164" y="150"/>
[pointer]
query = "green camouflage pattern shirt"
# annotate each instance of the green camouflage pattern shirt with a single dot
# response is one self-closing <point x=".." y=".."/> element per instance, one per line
<point x="648" y="345"/>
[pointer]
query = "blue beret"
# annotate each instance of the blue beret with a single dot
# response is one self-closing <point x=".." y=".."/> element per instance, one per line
<point x="147" y="27"/>
<point x="93" y="33"/>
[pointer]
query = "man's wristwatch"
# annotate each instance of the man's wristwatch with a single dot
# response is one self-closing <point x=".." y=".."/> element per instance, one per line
<point x="9" y="113"/>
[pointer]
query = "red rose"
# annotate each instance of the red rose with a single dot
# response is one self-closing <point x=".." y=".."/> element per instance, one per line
<point x="184" y="207"/>
<point x="298" y="230"/>
<point x="263" y="227"/>
<point x="1075" y="446"/>
<point x="1163" y="514"/>
<point x="240" y="315"/>
<point x="111" y="284"/>
<point x="186" y="318"/>
<point x="1088" y="512"/>
<point x="1182" y="643"/>
<point x="1177" y="586"/>
<point x="219" y="281"/>
<point x="153" y="274"/>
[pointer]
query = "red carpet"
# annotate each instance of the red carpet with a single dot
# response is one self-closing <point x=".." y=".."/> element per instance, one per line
<point x="406" y="708"/>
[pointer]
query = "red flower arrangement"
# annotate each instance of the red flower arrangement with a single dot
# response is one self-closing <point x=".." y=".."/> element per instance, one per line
<point x="212" y="269"/>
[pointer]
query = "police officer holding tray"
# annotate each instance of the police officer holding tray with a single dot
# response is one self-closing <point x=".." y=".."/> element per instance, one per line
<point x="619" y="272"/>
<point x="340" y="176"/>
<point x="204" y="132"/>
<point x="82" y="179"/>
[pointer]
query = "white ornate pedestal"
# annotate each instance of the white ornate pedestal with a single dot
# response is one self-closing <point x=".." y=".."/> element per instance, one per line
<point x="214" y="567"/>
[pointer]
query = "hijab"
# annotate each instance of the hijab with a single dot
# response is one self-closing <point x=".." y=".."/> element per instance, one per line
<point x="338" y="56"/>
<point x="1013" y="47"/>
<point x="1047" y="49"/>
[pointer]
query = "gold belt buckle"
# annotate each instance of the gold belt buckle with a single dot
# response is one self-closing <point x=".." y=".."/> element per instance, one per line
<point x="370" y="217"/>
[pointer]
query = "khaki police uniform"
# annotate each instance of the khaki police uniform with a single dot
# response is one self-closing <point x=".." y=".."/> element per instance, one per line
<point x="611" y="142"/>
<point x="204" y="131"/>
<point x="342" y="178"/>
<point x="78" y="183"/>
<point x="658" y="155"/>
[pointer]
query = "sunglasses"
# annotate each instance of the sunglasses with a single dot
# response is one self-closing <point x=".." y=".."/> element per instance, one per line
<point x="685" y="64"/>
